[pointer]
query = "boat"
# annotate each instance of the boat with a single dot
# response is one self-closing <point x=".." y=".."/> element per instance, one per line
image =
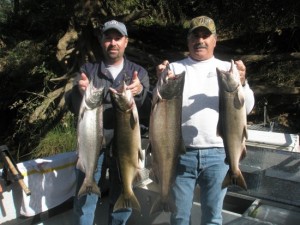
<point x="271" y="170"/>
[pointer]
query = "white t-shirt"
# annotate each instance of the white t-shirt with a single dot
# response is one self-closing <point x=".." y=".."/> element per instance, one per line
<point x="112" y="69"/>
<point x="200" y="106"/>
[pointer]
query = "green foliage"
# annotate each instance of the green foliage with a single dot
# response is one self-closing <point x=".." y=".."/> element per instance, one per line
<point x="62" y="138"/>
<point x="121" y="7"/>
<point x="43" y="70"/>
<point x="42" y="17"/>
<point x="21" y="59"/>
<point x="22" y="53"/>
<point x="5" y="9"/>
<point x="255" y="16"/>
<point x="276" y="74"/>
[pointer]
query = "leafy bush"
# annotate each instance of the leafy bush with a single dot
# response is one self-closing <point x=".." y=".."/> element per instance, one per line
<point x="62" y="138"/>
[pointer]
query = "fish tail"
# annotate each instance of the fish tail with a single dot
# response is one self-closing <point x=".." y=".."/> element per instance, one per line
<point x="138" y="177"/>
<point x="234" y="179"/>
<point x="123" y="203"/>
<point x="88" y="188"/>
<point x="163" y="206"/>
<point x="152" y="175"/>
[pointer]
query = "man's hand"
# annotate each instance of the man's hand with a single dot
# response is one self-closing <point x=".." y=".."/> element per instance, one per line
<point x="135" y="87"/>
<point x="161" y="67"/>
<point x="83" y="83"/>
<point x="242" y="70"/>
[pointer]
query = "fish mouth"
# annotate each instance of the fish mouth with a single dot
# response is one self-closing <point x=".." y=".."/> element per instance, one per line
<point x="124" y="102"/>
<point x="126" y="106"/>
<point x="94" y="98"/>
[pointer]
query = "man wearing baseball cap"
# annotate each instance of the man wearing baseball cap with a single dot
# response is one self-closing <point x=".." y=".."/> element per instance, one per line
<point x="204" y="161"/>
<point x="112" y="71"/>
<point x="113" y="24"/>
<point x="203" y="21"/>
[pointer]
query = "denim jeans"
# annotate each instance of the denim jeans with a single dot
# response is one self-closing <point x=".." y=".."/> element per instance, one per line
<point x="84" y="207"/>
<point x="206" y="168"/>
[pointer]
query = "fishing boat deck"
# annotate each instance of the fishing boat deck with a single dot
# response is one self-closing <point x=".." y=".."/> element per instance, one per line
<point x="238" y="210"/>
<point x="271" y="170"/>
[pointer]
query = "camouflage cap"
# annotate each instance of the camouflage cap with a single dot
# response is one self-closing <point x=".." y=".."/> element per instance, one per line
<point x="203" y="21"/>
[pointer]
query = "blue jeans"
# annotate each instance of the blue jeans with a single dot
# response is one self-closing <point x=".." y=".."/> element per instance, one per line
<point x="205" y="167"/>
<point x="84" y="207"/>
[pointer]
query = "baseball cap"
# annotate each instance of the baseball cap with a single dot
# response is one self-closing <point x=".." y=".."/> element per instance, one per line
<point x="113" y="24"/>
<point x="203" y="21"/>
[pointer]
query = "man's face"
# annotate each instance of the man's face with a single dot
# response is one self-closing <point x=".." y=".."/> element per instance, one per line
<point x="113" y="45"/>
<point x="201" y="44"/>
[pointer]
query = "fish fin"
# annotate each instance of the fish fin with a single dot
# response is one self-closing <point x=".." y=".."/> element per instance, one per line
<point x="239" y="99"/>
<point x="244" y="153"/>
<point x="244" y="150"/>
<point x="219" y="127"/>
<point x="153" y="176"/>
<point x="246" y="132"/>
<point x="123" y="203"/>
<point x="161" y="206"/>
<point x="87" y="188"/>
<point x="138" y="177"/>
<point x="79" y="165"/>
<point x="103" y="142"/>
<point x="81" y="114"/>
<point x="182" y="149"/>
<point x="149" y="149"/>
<point x="135" y="115"/>
<point x="237" y="180"/>
<point x="141" y="155"/>
<point x="219" y="71"/>
<point x="226" y="160"/>
<point x="156" y="97"/>
<point x="134" y="119"/>
<point x="154" y="104"/>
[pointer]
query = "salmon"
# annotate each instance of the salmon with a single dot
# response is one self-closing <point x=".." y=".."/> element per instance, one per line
<point x="232" y="125"/>
<point x="165" y="137"/>
<point x="126" y="145"/>
<point x="90" y="137"/>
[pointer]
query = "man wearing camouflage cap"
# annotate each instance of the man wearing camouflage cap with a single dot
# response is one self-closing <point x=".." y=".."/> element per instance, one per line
<point x="203" y="164"/>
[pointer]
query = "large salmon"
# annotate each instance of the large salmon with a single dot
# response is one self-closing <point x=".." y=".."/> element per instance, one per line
<point x="165" y="137"/>
<point x="126" y="145"/>
<point x="232" y="125"/>
<point x="90" y="137"/>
